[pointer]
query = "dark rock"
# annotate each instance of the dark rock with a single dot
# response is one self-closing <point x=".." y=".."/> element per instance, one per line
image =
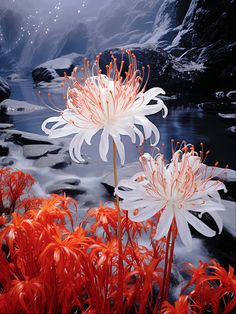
<point x="205" y="34"/>
<point x="36" y="151"/>
<point x="65" y="188"/>
<point x="26" y="138"/>
<point x="53" y="161"/>
<point x="4" y="150"/>
<point x="4" y="90"/>
<point x="69" y="180"/>
<point x="216" y="106"/>
<point x="57" y="67"/>
<point x="166" y="71"/>
<point x="44" y="74"/>
<point x="8" y="161"/>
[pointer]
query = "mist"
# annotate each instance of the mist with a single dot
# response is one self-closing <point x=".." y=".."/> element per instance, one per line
<point x="33" y="32"/>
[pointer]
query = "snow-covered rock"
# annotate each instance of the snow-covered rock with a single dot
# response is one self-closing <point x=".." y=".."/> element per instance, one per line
<point x="5" y="90"/>
<point x="52" y="69"/>
<point x="232" y="130"/>
<point x="227" y="115"/>
<point x="56" y="161"/>
<point x="4" y="126"/>
<point x="231" y="95"/>
<point x="26" y="138"/>
<point x="13" y="107"/>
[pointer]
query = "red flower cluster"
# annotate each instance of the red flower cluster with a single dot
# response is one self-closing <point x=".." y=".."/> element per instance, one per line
<point x="48" y="266"/>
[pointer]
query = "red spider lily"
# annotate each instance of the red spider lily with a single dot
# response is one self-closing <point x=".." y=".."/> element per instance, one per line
<point x="105" y="218"/>
<point x="25" y="296"/>
<point x="214" y="287"/>
<point x="181" y="306"/>
<point x="2" y="221"/>
<point x="13" y="187"/>
<point x="141" y="283"/>
<point x="54" y="210"/>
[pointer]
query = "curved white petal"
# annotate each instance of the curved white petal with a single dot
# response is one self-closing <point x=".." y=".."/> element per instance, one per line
<point x="140" y="135"/>
<point x="164" y="223"/>
<point x="75" y="148"/>
<point x="184" y="231"/>
<point x="218" y="220"/>
<point x="199" y="225"/>
<point x="104" y="144"/>
<point x="49" y="120"/>
<point x="66" y="130"/>
<point x="120" y="148"/>
<point x="142" y="214"/>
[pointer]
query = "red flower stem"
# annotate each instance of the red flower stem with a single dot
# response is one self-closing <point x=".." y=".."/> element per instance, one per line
<point x="166" y="265"/>
<point x="170" y="260"/>
<point x="119" y="234"/>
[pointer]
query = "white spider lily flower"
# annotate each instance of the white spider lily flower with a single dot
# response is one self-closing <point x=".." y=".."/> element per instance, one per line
<point x="110" y="104"/>
<point x="179" y="189"/>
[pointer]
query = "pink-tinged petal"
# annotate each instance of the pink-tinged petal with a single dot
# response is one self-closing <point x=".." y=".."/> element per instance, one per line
<point x="164" y="223"/>
<point x="184" y="231"/>
<point x="198" y="225"/>
<point x="104" y="144"/>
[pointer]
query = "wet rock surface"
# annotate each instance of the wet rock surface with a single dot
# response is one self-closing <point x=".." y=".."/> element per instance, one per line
<point x="26" y="138"/>
<point x="69" y="189"/>
<point x="5" y="90"/>
<point x="36" y="151"/>
<point x="55" y="161"/>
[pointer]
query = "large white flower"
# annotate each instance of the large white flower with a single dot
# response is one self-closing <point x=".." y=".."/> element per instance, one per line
<point x="109" y="103"/>
<point x="180" y="189"/>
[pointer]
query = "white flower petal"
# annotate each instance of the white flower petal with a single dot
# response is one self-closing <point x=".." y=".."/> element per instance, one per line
<point x="164" y="223"/>
<point x="120" y="148"/>
<point x="63" y="131"/>
<point x="218" y="220"/>
<point x="198" y="224"/>
<point x="142" y="214"/>
<point x="49" y="120"/>
<point x="75" y="147"/>
<point x="184" y="231"/>
<point x="104" y="144"/>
